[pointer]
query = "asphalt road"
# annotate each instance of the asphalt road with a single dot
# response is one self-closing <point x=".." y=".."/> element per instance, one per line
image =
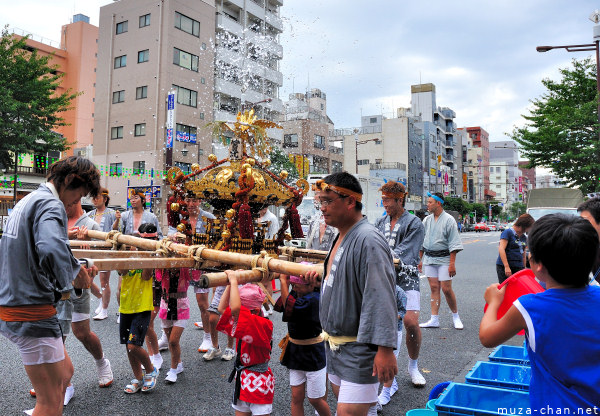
<point x="446" y="354"/>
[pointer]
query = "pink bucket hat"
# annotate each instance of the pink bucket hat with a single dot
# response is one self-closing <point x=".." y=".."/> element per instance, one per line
<point x="251" y="296"/>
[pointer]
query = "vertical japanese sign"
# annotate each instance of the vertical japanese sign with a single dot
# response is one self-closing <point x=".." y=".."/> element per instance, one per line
<point x="170" y="118"/>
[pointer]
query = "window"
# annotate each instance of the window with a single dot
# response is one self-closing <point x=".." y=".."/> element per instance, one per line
<point x="118" y="96"/>
<point x="187" y="24"/>
<point x="141" y="92"/>
<point x="140" y="129"/>
<point x="363" y="161"/>
<point x="290" y="140"/>
<point x="185" y="167"/>
<point x="121" y="27"/>
<point x="143" y="56"/>
<point x="185" y="60"/>
<point x="319" y="141"/>
<point x="186" y="97"/>
<point x="116" y="132"/>
<point x="185" y="133"/>
<point x="498" y="169"/>
<point x="373" y="120"/>
<point x="145" y="20"/>
<point x="139" y="167"/>
<point x="116" y="169"/>
<point x="120" y="61"/>
<point x="491" y="170"/>
<point x="201" y="116"/>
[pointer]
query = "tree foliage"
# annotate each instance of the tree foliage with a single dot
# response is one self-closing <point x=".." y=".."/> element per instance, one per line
<point x="562" y="128"/>
<point x="30" y="106"/>
<point x="280" y="161"/>
<point x="516" y="209"/>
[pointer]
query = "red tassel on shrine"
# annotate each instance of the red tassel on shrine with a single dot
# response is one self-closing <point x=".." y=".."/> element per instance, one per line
<point x="295" y="226"/>
<point x="245" y="222"/>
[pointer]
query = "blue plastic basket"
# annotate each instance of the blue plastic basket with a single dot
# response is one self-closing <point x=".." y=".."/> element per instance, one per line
<point x="431" y="404"/>
<point x="498" y="374"/>
<point x="421" y="412"/>
<point x="510" y="354"/>
<point x="471" y="399"/>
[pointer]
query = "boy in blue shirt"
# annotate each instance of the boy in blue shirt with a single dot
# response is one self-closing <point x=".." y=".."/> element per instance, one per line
<point x="563" y="334"/>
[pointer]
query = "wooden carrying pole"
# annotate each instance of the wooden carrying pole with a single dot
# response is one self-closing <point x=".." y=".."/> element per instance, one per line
<point x="148" y="263"/>
<point x="99" y="244"/>
<point x="236" y="259"/>
<point x="246" y="276"/>
<point x="310" y="254"/>
<point x="119" y="254"/>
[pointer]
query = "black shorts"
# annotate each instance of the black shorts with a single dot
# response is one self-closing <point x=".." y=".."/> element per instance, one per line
<point x="133" y="327"/>
<point x="500" y="271"/>
<point x="156" y="293"/>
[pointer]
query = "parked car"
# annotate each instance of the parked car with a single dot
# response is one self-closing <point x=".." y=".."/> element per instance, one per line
<point x="492" y="227"/>
<point x="502" y="226"/>
<point x="481" y="226"/>
<point x="469" y="227"/>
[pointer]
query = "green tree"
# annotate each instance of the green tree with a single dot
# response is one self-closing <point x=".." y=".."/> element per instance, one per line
<point x="480" y="209"/>
<point x="516" y="209"/>
<point x="562" y="128"/>
<point x="280" y="161"/>
<point x="456" y="204"/>
<point x="30" y="106"/>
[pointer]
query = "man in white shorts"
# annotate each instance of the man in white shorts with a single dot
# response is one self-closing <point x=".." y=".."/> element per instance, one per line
<point x="358" y="310"/>
<point x="438" y="257"/>
<point x="404" y="233"/>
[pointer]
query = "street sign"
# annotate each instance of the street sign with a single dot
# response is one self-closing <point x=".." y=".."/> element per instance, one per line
<point x="170" y="118"/>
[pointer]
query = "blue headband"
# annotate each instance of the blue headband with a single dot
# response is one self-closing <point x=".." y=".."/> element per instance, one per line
<point x="437" y="198"/>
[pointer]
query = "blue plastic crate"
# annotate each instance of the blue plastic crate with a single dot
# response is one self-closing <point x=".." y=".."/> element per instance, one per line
<point x="498" y="374"/>
<point x="510" y="354"/>
<point x="474" y="400"/>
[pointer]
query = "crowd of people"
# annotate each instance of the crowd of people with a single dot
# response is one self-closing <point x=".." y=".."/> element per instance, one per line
<point x="344" y="327"/>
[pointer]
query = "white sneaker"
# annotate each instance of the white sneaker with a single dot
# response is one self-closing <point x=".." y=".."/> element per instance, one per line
<point x="100" y="316"/>
<point x="228" y="354"/>
<point x="212" y="353"/>
<point x="457" y="322"/>
<point x="206" y="344"/>
<point x="171" y="376"/>
<point x="416" y="377"/>
<point x="69" y="394"/>
<point x="105" y="375"/>
<point x="157" y="361"/>
<point x="385" y="396"/>
<point x="198" y="325"/>
<point x="432" y="323"/>
<point x="163" y="343"/>
<point x="99" y="308"/>
<point x="394" y="387"/>
<point x="28" y="412"/>
<point x="179" y="368"/>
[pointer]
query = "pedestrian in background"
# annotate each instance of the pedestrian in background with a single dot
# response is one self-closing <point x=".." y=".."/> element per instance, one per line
<point x="511" y="251"/>
<point x="590" y="210"/>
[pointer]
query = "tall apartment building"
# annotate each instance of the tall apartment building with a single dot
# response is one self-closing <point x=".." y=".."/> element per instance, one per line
<point x="218" y="57"/>
<point x="306" y="128"/>
<point x="247" y="55"/>
<point x="480" y="138"/>
<point x="500" y="182"/>
<point x="389" y="148"/>
<point x="505" y="152"/>
<point x="529" y="173"/>
<point x="75" y="57"/>
<point x="443" y="153"/>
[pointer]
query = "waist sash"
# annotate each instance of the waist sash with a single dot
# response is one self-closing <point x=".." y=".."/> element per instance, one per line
<point x="285" y="340"/>
<point x="436" y="253"/>
<point x="237" y="372"/>
<point x="335" y="341"/>
<point x="26" y="313"/>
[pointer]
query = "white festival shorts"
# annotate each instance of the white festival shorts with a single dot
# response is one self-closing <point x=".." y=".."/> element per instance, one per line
<point x="353" y="392"/>
<point x="252" y="408"/>
<point x="316" y="381"/>
<point x="440" y="272"/>
<point x="36" y="351"/>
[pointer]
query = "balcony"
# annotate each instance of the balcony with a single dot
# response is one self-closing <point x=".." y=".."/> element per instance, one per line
<point x="275" y="21"/>
<point x="28" y="170"/>
<point x="266" y="42"/>
<point x="387" y="165"/>
<point x="336" y="149"/>
<point x="228" y="24"/>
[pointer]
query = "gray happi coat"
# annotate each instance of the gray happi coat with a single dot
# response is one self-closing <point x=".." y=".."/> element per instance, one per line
<point x="126" y="225"/>
<point x="358" y="299"/>
<point x="36" y="262"/>
<point x="440" y="235"/>
<point x="107" y="221"/>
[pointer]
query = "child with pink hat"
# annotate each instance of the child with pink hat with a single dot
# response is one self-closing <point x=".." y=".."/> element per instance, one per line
<point x="241" y="318"/>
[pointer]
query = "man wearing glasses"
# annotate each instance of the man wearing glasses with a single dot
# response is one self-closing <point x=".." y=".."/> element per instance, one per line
<point x="358" y="309"/>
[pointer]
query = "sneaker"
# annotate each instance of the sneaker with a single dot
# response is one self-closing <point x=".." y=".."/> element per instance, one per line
<point x="28" y="412"/>
<point x="385" y="396"/>
<point x="105" y="374"/>
<point x="457" y="322"/>
<point x="157" y="361"/>
<point x="206" y="344"/>
<point x="394" y="387"/>
<point x="212" y="353"/>
<point x="228" y="354"/>
<point x="102" y="315"/>
<point x="171" y="376"/>
<point x="432" y="323"/>
<point x="99" y="308"/>
<point x="179" y="368"/>
<point x="163" y="343"/>
<point x="69" y="394"/>
<point x="150" y="381"/>
<point x="198" y="325"/>
<point x="416" y="377"/>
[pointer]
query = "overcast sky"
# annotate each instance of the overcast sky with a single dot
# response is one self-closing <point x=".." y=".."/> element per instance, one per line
<point x="365" y="55"/>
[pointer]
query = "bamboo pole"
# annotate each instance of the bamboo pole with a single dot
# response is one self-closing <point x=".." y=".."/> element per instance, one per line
<point x="137" y="263"/>
<point x="237" y="259"/>
<point x="81" y="243"/>
<point x="246" y="276"/>
<point x="103" y="254"/>
<point x="310" y="254"/>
